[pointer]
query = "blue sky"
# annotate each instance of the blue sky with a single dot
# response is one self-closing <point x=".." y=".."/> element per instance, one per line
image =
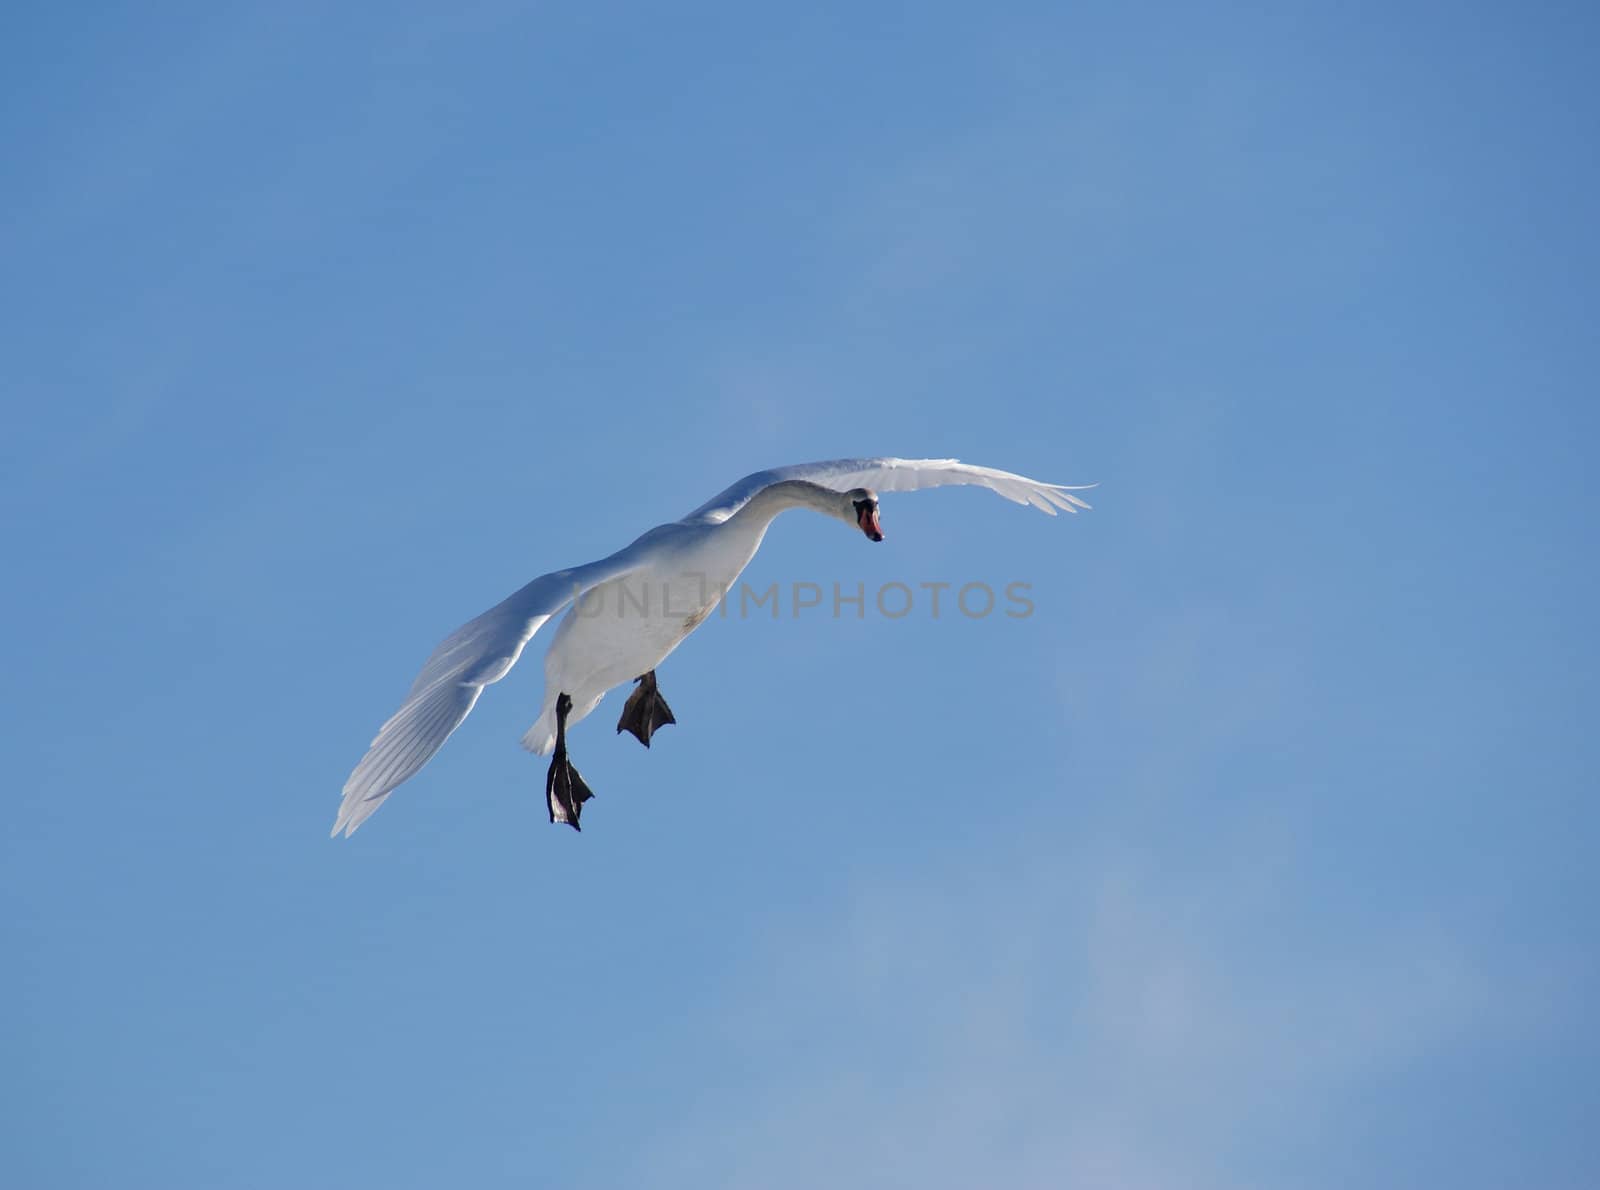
<point x="1261" y="854"/>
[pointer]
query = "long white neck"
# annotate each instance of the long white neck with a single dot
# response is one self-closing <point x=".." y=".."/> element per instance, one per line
<point x="732" y="544"/>
<point x="761" y="508"/>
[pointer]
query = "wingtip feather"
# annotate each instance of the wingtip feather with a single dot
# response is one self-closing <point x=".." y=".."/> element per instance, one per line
<point x="403" y="745"/>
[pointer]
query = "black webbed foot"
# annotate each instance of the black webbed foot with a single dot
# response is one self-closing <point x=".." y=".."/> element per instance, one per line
<point x="564" y="790"/>
<point x="645" y="710"/>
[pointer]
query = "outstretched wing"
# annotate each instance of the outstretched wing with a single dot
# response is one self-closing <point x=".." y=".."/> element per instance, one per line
<point x="481" y="651"/>
<point x="892" y="475"/>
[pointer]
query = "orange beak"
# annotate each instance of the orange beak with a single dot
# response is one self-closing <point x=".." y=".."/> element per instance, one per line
<point x="868" y="520"/>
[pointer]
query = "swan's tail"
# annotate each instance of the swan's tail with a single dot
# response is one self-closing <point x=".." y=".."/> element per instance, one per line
<point x="541" y="737"/>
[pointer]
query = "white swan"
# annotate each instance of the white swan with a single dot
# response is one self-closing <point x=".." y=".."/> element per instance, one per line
<point x="632" y="609"/>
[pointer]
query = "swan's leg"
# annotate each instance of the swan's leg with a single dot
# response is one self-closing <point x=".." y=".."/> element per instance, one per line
<point x="645" y="710"/>
<point x="564" y="790"/>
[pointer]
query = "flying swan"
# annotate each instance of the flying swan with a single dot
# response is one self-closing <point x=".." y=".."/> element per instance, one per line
<point x="629" y="611"/>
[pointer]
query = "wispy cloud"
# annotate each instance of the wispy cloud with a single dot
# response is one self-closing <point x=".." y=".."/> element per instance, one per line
<point x="1044" y="1021"/>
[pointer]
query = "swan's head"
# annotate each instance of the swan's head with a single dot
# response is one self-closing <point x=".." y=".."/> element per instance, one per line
<point x="864" y="506"/>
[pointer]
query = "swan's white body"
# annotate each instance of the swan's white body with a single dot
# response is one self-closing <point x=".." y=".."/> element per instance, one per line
<point x="630" y="610"/>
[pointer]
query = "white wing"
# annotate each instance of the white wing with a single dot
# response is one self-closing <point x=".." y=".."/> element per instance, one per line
<point x="478" y="653"/>
<point x="892" y="475"/>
